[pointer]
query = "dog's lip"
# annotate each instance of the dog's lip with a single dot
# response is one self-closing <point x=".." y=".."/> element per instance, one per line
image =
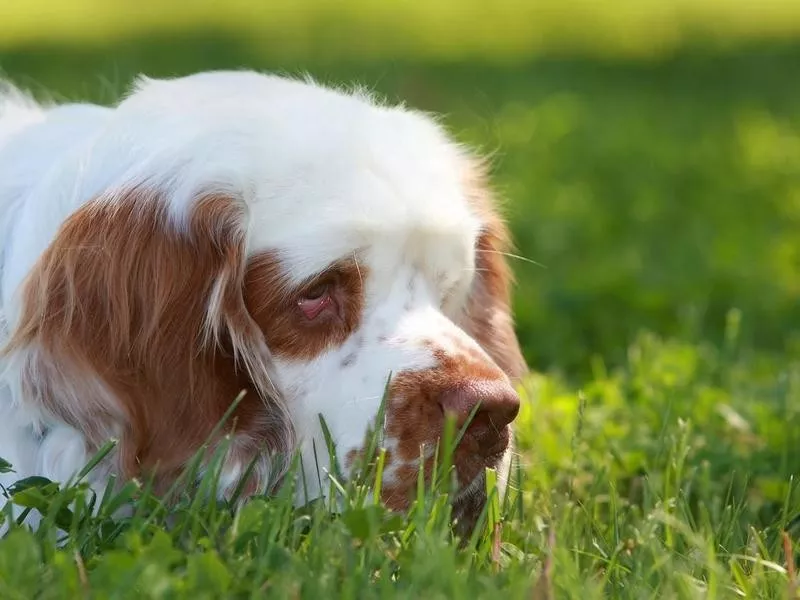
<point x="496" y="451"/>
<point x="475" y="486"/>
<point x="477" y="470"/>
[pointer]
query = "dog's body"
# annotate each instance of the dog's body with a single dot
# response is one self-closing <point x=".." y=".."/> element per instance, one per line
<point x="33" y="143"/>
<point x="234" y="231"/>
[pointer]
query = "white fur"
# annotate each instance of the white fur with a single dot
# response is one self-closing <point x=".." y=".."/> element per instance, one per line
<point x="322" y="174"/>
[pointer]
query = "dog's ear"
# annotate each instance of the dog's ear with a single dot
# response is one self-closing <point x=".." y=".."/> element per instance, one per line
<point x="134" y="326"/>
<point x="488" y="315"/>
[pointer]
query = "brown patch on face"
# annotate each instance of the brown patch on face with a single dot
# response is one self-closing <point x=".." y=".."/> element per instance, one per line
<point x="488" y="318"/>
<point x="415" y="415"/>
<point x="116" y="313"/>
<point x="416" y="418"/>
<point x="273" y="304"/>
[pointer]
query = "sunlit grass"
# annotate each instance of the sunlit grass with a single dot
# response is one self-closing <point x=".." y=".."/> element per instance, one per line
<point x="669" y="478"/>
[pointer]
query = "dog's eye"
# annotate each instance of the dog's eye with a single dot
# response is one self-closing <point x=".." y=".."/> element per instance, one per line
<point x="316" y="300"/>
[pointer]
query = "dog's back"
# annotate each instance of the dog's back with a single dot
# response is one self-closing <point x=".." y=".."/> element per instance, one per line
<point x="18" y="113"/>
<point x="34" y="139"/>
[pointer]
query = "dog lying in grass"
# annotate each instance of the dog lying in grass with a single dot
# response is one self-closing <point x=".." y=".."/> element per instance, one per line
<point x="245" y="258"/>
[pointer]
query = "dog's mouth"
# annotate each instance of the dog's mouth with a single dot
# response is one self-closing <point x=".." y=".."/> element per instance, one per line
<point x="472" y="459"/>
<point x="476" y="487"/>
<point x="468" y="505"/>
<point x="471" y="498"/>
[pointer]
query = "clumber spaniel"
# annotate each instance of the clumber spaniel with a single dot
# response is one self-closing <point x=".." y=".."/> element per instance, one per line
<point x="235" y="232"/>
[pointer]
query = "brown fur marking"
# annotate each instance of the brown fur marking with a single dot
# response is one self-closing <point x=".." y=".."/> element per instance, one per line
<point x="115" y="313"/>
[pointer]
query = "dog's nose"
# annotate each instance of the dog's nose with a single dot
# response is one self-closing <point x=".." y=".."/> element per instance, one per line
<point x="495" y="405"/>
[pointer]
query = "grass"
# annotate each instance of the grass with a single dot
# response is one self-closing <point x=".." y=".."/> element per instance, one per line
<point x="671" y="477"/>
<point x="652" y="177"/>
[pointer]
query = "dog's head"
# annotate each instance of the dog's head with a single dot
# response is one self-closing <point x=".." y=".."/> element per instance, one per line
<point x="234" y="231"/>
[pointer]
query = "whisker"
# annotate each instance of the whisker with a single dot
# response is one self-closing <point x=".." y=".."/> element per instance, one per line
<point x="356" y="401"/>
<point x="358" y="270"/>
<point x="515" y="256"/>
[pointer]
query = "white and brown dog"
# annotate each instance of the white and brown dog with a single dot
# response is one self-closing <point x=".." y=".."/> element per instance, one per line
<point x="233" y="231"/>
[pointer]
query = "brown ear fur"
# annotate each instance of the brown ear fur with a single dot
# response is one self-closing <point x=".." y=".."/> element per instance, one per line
<point x="135" y="329"/>
<point x="488" y="317"/>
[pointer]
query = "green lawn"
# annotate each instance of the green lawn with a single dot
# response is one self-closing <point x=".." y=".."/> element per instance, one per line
<point x="652" y="179"/>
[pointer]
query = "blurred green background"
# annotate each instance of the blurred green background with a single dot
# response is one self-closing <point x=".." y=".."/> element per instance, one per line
<point x="649" y="151"/>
